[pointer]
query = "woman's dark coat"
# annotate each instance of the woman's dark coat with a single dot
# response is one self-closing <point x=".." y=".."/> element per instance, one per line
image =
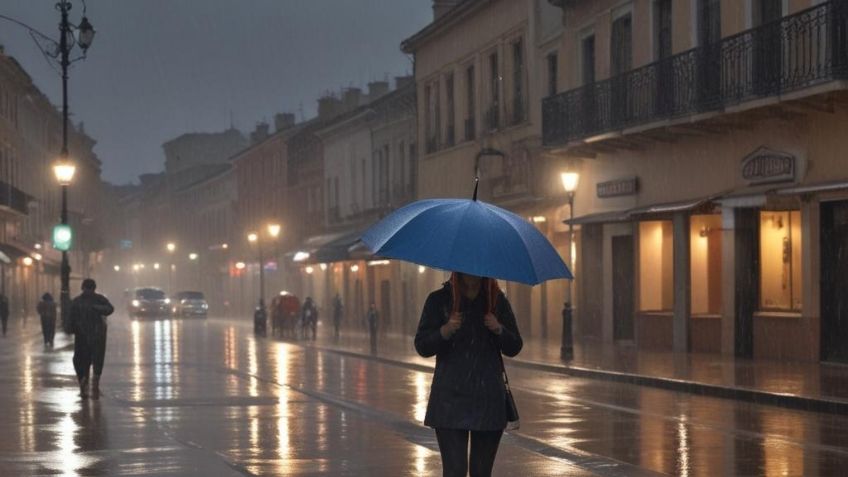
<point x="468" y="390"/>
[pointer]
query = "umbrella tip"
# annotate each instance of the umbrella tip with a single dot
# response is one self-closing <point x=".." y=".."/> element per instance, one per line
<point x="476" y="184"/>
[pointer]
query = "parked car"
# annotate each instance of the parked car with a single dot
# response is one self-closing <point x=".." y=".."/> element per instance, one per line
<point x="149" y="302"/>
<point x="190" y="303"/>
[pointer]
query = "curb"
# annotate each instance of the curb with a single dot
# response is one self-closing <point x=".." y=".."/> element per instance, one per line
<point x="789" y="401"/>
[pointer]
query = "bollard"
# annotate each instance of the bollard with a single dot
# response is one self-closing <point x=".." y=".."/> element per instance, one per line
<point x="566" y="352"/>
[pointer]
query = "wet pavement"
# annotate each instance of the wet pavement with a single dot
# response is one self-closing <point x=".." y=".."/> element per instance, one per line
<point x="208" y="398"/>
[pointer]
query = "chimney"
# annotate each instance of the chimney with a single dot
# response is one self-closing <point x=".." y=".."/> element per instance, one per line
<point x="377" y="89"/>
<point x="283" y="121"/>
<point x="440" y="7"/>
<point x="329" y="106"/>
<point x="352" y="98"/>
<point x="403" y="81"/>
<point x="260" y="134"/>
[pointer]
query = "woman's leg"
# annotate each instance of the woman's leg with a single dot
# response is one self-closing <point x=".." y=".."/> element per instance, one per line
<point x="484" y="447"/>
<point x="453" y="445"/>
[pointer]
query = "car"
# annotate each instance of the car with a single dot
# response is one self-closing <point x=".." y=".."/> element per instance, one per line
<point x="190" y="303"/>
<point x="149" y="302"/>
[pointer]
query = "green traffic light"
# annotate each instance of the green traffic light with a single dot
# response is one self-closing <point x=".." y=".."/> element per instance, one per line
<point x="62" y="237"/>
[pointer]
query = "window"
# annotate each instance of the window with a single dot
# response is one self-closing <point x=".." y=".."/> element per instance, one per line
<point x="432" y="124"/>
<point x="517" y="81"/>
<point x="709" y="22"/>
<point x="705" y="263"/>
<point x="471" y="105"/>
<point x="493" y="114"/>
<point x="662" y="32"/>
<point x="780" y="260"/>
<point x="587" y="47"/>
<point x="401" y="174"/>
<point x="450" y="111"/>
<point x="656" y="266"/>
<point x="621" y="45"/>
<point x="553" y="72"/>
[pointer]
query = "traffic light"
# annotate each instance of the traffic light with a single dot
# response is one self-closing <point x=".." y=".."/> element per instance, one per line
<point x="62" y="237"/>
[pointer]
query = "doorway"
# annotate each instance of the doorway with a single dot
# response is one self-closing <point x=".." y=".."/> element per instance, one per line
<point x="834" y="280"/>
<point x="622" y="287"/>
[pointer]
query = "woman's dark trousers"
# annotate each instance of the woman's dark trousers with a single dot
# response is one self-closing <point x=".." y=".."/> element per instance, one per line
<point x="88" y="351"/>
<point x="453" y="445"/>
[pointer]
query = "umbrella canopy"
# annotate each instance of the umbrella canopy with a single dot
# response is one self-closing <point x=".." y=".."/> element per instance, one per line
<point x="467" y="236"/>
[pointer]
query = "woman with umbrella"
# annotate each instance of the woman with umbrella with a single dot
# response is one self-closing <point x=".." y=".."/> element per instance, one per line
<point x="467" y="325"/>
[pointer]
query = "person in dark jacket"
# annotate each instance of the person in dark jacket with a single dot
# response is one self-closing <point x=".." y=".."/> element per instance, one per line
<point x="467" y="325"/>
<point x="309" y="320"/>
<point x="338" y="310"/>
<point x="47" y="311"/>
<point x="372" y="319"/>
<point x="4" y="312"/>
<point x="87" y="321"/>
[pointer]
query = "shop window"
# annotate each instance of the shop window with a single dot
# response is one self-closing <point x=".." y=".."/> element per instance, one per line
<point x="705" y="263"/>
<point x="656" y="266"/>
<point x="780" y="260"/>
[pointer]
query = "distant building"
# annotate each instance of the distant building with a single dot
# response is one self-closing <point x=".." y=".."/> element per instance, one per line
<point x="30" y="198"/>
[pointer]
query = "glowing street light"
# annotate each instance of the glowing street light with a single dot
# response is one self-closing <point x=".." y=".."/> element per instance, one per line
<point x="274" y="230"/>
<point x="192" y="256"/>
<point x="171" y="247"/>
<point x="117" y="268"/>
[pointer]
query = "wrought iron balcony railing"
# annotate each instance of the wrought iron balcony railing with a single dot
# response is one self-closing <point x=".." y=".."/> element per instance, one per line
<point x="795" y="52"/>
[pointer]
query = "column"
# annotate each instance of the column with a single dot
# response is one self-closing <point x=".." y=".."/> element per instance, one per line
<point x="682" y="282"/>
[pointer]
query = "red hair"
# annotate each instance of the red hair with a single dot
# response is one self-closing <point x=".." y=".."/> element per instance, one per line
<point x="490" y="286"/>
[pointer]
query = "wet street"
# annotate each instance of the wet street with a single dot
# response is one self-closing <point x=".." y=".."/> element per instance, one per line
<point x="207" y="398"/>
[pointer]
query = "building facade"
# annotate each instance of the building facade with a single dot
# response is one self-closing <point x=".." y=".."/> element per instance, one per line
<point x="30" y="198"/>
<point x="712" y="198"/>
<point x="481" y="70"/>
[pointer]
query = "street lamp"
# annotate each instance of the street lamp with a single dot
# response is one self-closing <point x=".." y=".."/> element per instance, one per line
<point x="570" y="180"/>
<point x="253" y="237"/>
<point x="64" y="170"/>
<point x="171" y="247"/>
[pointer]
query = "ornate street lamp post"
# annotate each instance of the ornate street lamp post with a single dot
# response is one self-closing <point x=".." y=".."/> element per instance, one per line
<point x="569" y="183"/>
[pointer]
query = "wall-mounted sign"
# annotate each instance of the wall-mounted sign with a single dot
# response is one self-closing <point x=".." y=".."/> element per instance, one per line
<point x="765" y="165"/>
<point x="617" y="188"/>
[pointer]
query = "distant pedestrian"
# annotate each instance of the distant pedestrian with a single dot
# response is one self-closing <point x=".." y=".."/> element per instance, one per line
<point x="310" y="318"/>
<point x="338" y="309"/>
<point x="467" y="325"/>
<point x="47" y="311"/>
<point x="4" y="312"/>
<point x="372" y="319"/>
<point x="260" y="319"/>
<point x="87" y="321"/>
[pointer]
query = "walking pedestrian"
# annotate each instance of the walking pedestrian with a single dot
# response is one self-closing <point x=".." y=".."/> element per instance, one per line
<point x="4" y="312"/>
<point x="47" y="311"/>
<point x="372" y="319"/>
<point x="338" y="309"/>
<point x="260" y="319"/>
<point x="87" y="321"/>
<point x="310" y="318"/>
<point x="467" y="325"/>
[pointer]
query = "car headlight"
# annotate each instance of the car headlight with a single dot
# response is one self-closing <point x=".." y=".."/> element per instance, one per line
<point x="182" y="302"/>
<point x="205" y="306"/>
<point x="136" y="303"/>
<point x="167" y="301"/>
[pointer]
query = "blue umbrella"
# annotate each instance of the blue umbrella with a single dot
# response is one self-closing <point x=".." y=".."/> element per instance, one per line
<point x="467" y="236"/>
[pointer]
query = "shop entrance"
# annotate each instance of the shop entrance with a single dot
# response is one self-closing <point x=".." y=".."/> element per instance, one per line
<point x="834" y="281"/>
<point x="622" y="287"/>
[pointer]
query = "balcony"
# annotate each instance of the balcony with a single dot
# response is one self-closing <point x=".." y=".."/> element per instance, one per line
<point x="799" y="51"/>
<point x="13" y="199"/>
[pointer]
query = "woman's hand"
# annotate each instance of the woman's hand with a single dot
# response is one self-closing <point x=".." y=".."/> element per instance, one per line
<point x="492" y="323"/>
<point x="454" y="322"/>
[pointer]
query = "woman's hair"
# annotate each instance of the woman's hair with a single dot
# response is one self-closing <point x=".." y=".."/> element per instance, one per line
<point x="489" y="287"/>
<point x="47" y="297"/>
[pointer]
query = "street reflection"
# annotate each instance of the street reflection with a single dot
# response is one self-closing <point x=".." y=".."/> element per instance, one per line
<point x="283" y="395"/>
<point x="137" y="375"/>
<point x="252" y="367"/>
<point x="419" y="407"/>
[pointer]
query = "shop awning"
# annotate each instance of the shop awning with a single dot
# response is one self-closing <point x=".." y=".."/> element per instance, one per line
<point x="304" y="253"/>
<point x="338" y="250"/>
<point x="813" y="188"/>
<point x="599" y="218"/>
<point x="671" y="207"/>
<point x="13" y="251"/>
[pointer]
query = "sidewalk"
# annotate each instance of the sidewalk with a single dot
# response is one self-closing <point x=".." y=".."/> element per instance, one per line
<point x="819" y="387"/>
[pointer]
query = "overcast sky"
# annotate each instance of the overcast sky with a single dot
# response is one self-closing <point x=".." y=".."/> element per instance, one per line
<point x="160" y="68"/>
